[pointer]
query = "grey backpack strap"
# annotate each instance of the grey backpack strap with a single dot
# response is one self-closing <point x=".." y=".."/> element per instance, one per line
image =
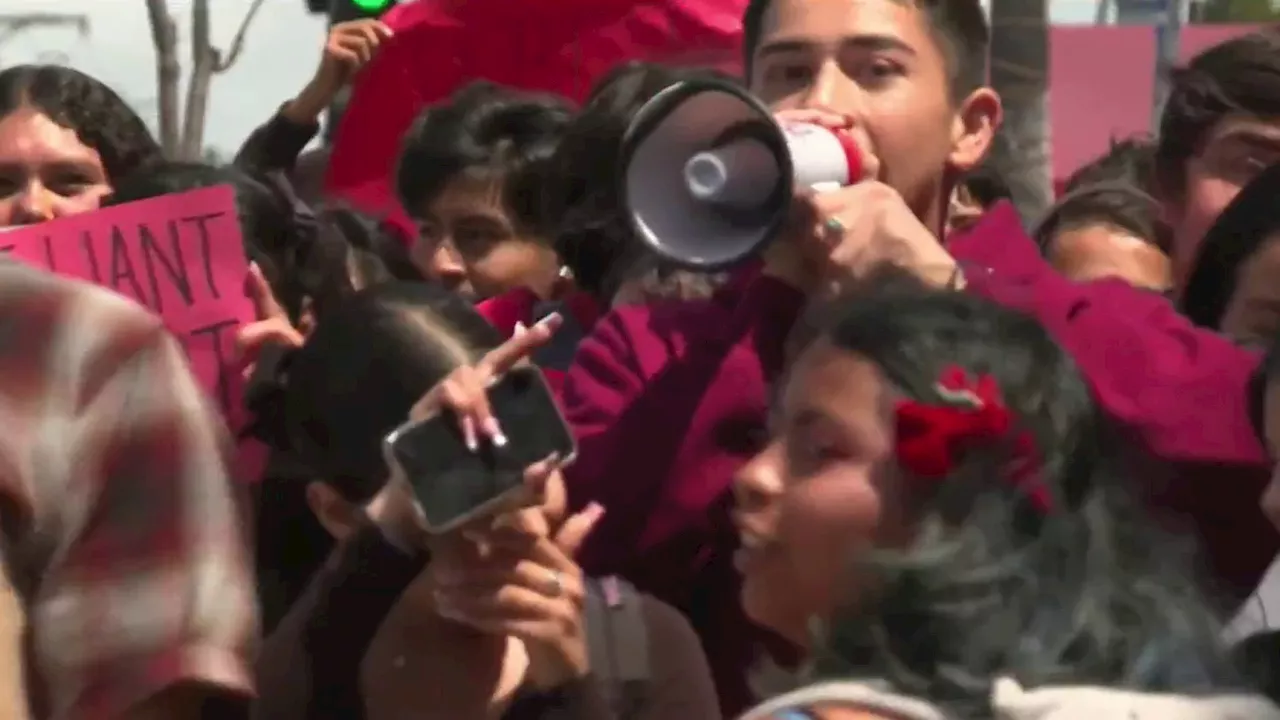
<point x="618" y="642"/>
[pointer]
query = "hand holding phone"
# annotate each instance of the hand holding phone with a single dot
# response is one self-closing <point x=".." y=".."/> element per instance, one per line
<point x="470" y="439"/>
<point x="464" y="390"/>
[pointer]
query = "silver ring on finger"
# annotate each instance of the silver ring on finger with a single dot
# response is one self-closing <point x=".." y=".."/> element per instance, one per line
<point x="555" y="584"/>
<point x="833" y="227"/>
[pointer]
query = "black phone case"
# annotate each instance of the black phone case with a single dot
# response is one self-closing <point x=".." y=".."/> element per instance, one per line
<point x="453" y="482"/>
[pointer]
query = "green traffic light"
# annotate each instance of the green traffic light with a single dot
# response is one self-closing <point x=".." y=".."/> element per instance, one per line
<point x="372" y="6"/>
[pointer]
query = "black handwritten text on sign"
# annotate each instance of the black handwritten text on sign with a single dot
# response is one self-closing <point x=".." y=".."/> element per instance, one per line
<point x="180" y="256"/>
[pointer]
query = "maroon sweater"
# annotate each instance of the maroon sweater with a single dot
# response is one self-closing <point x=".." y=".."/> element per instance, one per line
<point x="665" y="400"/>
<point x="309" y="667"/>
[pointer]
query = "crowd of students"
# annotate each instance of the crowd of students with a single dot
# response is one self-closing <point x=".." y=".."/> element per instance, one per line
<point x="914" y="462"/>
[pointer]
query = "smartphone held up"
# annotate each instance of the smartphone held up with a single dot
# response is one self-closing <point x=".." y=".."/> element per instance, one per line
<point x="455" y="483"/>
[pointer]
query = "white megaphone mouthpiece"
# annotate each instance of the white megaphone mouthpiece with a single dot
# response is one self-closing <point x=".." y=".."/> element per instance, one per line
<point x="707" y="174"/>
<point x="741" y="174"/>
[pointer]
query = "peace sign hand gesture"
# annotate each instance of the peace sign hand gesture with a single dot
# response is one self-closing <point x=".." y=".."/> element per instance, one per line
<point x="465" y="393"/>
<point x="465" y="390"/>
<point x="270" y="325"/>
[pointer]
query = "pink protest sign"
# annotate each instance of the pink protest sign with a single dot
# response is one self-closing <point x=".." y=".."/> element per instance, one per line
<point x="178" y="255"/>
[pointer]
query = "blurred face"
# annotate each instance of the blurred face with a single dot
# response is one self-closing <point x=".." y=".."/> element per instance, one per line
<point x="45" y="171"/>
<point x="1235" y="151"/>
<point x="878" y="62"/>
<point x="1253" y="312"/>
<point x="468" y="241"/>
<point x="820" y="493"/>
<point x="1271" y="417"/>
<point x="1092" y="252"/>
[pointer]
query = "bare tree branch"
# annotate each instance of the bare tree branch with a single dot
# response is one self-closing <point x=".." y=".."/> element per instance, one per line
<point x="182" y="126"/>
<point x="237" y="42"/>
<point x="164" y="36"/>
<point x="204" y="62"/>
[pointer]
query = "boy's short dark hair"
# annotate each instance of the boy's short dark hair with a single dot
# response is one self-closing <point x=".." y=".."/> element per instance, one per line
<point x="960" y="26"/>
<point x="1116" y="204"/>
<point x="1131" y="160"/>
<point x="1238" y="77"/>
<point x="482" y="128"/>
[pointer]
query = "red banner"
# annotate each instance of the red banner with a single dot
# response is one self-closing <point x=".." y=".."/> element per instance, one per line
<point x="559" y="46"/>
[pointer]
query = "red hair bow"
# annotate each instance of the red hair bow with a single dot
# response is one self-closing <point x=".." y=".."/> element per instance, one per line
<point x="933" y="437"/>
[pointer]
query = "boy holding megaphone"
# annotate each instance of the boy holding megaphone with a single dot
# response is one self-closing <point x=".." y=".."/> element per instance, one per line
<point x="667" y="401"/>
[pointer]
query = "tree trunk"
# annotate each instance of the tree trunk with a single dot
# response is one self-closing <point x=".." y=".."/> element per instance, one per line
<point x="164" y="35"/>
<point x="204" y="62"/>
<point x="1020" y="72"/>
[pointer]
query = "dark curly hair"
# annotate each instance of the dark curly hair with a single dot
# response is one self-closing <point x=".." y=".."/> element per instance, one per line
<point x="100" y="118"/>
<point x="581" y="206"/>
<point x="1069" y="594"/>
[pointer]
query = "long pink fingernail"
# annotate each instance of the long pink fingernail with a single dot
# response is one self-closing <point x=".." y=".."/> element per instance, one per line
<point x="469" y="436"/>
<point x="494" y="431"/>
<point x="552" y="320"/>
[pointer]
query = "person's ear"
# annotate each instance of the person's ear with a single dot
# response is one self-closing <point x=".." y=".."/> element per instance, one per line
<point x="974" y="129"/>
<point x="337" y="516"/>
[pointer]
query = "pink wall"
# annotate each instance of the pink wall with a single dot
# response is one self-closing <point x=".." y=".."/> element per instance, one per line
<point x="1101" y="84"/>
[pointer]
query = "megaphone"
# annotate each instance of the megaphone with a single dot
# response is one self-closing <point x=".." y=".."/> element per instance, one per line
<point x="707" y="174"/>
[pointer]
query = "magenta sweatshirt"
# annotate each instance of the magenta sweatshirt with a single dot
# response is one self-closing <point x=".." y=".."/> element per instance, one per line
<point x="1179" y="391"/>
<point x="669" y="400"/>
